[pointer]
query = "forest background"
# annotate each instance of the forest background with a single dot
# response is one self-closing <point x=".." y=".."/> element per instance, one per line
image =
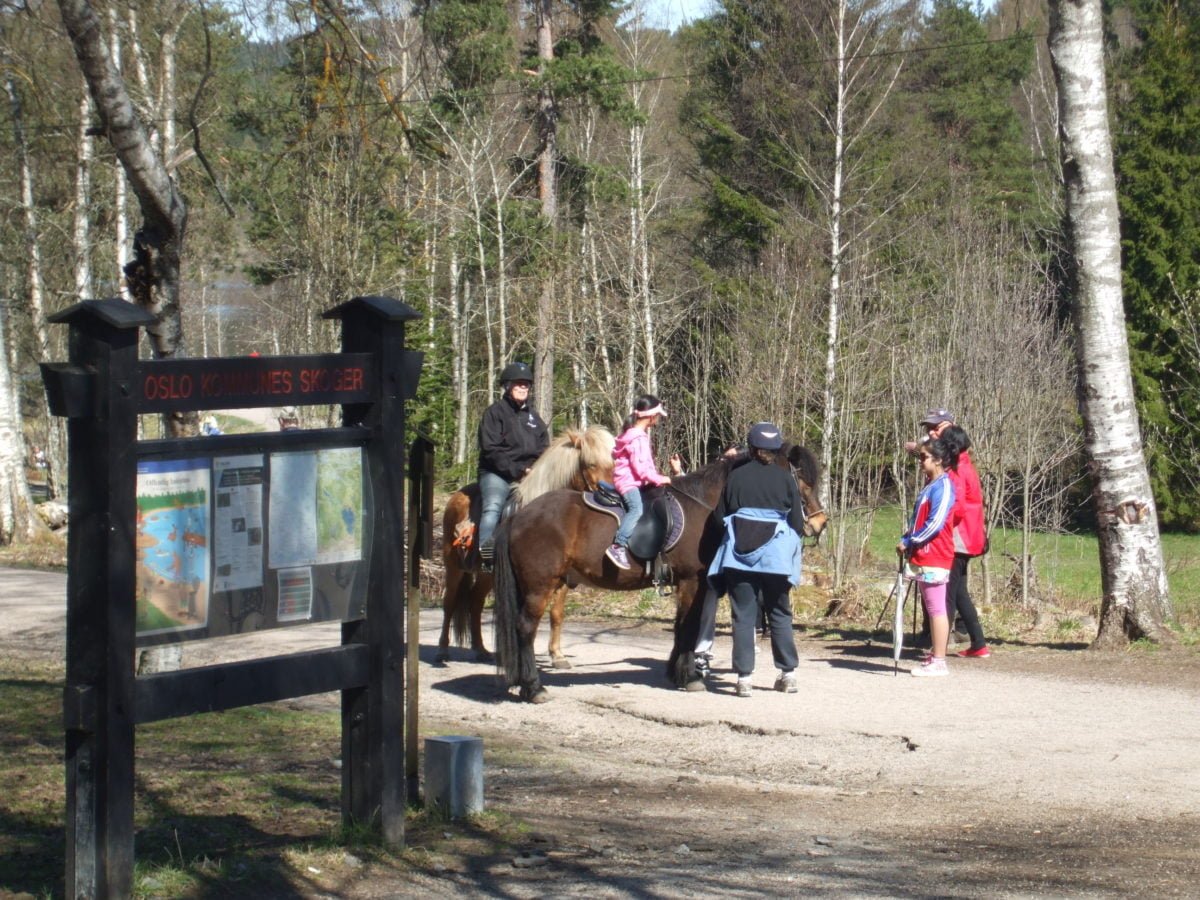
<point x="832" y="214"/>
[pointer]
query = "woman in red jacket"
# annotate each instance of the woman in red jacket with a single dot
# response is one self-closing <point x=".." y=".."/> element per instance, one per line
<point x="970" y="540"/>
<point x="927" y="547"/>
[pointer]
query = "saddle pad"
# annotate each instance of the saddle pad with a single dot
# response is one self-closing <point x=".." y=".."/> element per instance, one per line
<point x="591" y="501"/>
<point x="677" y="522"/>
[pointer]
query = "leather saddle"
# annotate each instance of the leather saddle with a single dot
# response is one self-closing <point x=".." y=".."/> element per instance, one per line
<point x="466" y="536"/>
<point x="660" y="526"/>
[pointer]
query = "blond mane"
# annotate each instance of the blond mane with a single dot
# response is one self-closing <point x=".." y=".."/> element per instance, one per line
<point x="577" y="459"/>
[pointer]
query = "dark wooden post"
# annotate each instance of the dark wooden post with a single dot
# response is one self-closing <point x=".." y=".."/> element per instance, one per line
<point x="420" y="546"/>
<point x="96" y="391"/>
<point x="373" y="717"/>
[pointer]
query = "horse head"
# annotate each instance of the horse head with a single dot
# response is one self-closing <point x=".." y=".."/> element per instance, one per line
<point x="807" y="472"/>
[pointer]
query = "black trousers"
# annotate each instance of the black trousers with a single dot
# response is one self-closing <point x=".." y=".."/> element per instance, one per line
<point x="958" y="600"/>
<point x="750" y="595"/>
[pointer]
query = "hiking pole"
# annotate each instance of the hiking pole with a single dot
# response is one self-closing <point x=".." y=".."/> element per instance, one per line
<point x="898" y="622"/>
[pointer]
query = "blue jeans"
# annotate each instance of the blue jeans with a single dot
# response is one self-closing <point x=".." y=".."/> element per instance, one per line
<point x="633" y="512"/>
<point x="493" y="493"/>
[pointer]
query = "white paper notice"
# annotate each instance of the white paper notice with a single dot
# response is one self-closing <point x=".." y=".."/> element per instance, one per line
<point x="293" y="529"/>
<point x="295" y="595"/>
<point x="237" y="522"/>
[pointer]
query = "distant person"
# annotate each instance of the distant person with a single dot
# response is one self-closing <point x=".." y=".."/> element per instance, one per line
<point x="926" y="549"/>
<point x="970" y="534"/>
<point x="970" y="540"/>
<point x="208" y="426"/>
<point x="633" y="469"/>
<point x="511" y="438"/>
<point x="758" y="562"/>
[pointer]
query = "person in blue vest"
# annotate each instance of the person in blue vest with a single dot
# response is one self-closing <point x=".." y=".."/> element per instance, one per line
<point x="511" y="438"/>
<point x="759" y="559"/>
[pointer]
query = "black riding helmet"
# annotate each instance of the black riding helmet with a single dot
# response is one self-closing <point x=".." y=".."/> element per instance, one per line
<point x="764" y="436"/>
<point x="516" y="371"/>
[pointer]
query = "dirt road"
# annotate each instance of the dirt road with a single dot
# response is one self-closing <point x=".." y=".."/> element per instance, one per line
<point x="1038" y="772"/>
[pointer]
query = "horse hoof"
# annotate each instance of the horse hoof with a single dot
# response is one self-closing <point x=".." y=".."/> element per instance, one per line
<point x="696" y="684"/>
<point x="443" y="657"/>
<point x="484" y="656"/>
<point x="535" y="695"/>
<point x="561" y="662"/>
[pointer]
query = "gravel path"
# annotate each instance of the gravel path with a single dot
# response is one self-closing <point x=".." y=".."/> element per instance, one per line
<point x="1038" y="772"/>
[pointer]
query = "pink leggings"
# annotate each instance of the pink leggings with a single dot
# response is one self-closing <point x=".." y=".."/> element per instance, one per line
<point x="934" y="598"/>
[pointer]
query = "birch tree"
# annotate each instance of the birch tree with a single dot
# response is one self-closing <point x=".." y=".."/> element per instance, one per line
<point x="154" y="273"/>
<point x="1134" y="582"/>
<point x="18" y="522"/>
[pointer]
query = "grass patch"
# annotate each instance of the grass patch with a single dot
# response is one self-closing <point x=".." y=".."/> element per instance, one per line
<point x="1067" y="566"/>
<point x="245" y="803"/>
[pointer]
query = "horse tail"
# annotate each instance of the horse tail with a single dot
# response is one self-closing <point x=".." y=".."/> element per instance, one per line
<point x="460" y="610"/>
<point x="507" y="610"/>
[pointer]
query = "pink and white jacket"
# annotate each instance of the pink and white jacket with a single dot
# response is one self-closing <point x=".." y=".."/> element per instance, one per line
<point x="633" y="463"/>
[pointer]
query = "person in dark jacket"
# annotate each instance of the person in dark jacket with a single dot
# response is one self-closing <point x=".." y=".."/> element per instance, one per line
<point x="511" y="438"/>
<point x="759" y="559"/>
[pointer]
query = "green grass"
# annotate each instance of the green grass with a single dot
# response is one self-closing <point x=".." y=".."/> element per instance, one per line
<point x="1067" y="566"/>
<point x="244" y="803"/>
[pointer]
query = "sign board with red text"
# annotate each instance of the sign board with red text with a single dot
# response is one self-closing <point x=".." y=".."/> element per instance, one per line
<point x="169" y="385"/>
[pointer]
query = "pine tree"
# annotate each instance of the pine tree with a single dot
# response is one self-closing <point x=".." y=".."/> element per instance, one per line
<point x="1157" y="149"/>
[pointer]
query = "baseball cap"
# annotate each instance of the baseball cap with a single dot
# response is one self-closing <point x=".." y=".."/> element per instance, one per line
<point x="937" y="417"/>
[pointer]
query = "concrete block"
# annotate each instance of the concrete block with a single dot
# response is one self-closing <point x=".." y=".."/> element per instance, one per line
<point x="454" y="775"/>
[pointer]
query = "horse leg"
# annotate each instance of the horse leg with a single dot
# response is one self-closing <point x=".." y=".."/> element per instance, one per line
<point x="527" y="626"/>
<point x="681" y="666"/>
<point x="454" y="582"/>
<point x="558" y="605"/>
<point x="479" y="592"/>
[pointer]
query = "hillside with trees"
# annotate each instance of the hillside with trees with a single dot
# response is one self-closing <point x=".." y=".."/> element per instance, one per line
<point x="826" y="213"/>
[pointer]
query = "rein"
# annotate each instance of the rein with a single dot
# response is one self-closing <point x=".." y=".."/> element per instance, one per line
<point x="692" y="497"/>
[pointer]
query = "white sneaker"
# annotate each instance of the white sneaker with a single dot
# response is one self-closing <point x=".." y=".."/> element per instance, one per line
<point x="786" y="683"/>
<point x="745" y="685"/>
<point x="934" y="667"/>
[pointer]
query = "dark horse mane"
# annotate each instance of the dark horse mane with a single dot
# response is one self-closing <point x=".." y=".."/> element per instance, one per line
<point x="716" y="473"/>
<point x="697" y="484"/>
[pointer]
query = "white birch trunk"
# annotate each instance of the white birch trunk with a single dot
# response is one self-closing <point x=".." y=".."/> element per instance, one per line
<point x="547" y="116"/>
<point x="81" y="231"/>
<point x="835" y="257"/>
<point x="155" y="278"/>
<point x="33" y="256"/>
<point x="18" y="522"/>
<point x="120" y="201"/>
<point x="1135" y="603"/>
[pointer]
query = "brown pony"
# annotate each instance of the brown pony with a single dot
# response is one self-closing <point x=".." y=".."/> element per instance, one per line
<point x="577" y="460"/>
<point x="557" y="542"/>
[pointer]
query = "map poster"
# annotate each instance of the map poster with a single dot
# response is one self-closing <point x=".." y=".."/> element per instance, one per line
<point x="339" y="503"/>
<point x="295" y="595"/>
<point x="292" y="538"/>
<point x="172" y="545"/>
<point x="237" y="523"/>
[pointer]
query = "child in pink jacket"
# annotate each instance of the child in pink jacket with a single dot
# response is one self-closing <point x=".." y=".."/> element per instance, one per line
<point x="633" y="467"/>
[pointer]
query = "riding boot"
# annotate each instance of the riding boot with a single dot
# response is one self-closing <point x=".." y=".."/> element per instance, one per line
<point x="487" y="551"/>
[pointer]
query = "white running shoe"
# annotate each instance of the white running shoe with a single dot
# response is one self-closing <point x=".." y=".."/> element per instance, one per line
<point x="786" y="683"/>
<point x="934" y="667"/>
